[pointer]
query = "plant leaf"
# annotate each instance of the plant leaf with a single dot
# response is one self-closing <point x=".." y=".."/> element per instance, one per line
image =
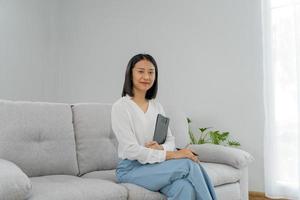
<point x="233" y="143"/>
<point x="214" y="137"/>
<point x="201" y="141"/>
<point x="204" y="129"/>
<point x="188" y="120"/>
<point x="192" y="137"/>
<point x="225" y="134"/>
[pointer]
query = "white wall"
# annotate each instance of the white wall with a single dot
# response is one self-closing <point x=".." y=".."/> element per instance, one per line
<point x="27" y="45"/>
<point x="208" y="53"/>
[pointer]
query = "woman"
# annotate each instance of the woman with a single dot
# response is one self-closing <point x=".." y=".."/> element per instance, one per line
<point x="144" y="162"/>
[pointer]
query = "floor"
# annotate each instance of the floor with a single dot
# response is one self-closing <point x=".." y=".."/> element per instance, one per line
<point x="259" y="196"/>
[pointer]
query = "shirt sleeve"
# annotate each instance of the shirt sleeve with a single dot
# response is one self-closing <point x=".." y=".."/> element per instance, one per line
<point x="129" y="148"/>
<point x="169" y="144"/>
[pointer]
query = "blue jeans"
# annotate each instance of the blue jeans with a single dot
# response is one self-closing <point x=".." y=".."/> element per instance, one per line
<point x="177" y="179"/>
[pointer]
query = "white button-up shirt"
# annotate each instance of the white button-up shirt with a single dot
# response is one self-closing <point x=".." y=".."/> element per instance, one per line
<point x="133" y="128"/>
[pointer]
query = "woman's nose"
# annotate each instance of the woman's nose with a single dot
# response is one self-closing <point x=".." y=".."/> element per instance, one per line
<point x="146" y="76"/>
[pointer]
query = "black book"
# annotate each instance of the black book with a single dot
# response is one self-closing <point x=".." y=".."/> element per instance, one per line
<point x="161" y="129"/>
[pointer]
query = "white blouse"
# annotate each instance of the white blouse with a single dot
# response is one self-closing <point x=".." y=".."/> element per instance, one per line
<point x="133" y="128"/>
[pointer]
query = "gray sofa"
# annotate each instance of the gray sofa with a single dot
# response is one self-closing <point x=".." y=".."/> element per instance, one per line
<point x="54" y="151"/>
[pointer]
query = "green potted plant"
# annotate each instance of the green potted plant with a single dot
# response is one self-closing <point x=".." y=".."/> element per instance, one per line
<point x="211" y="136"/>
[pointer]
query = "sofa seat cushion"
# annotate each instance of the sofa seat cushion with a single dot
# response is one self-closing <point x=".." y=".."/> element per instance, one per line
<point x="134" y="192"/>
<point x="220" y="174"/>
<point x="109" y="175"/>
<point x="63" y="187"/>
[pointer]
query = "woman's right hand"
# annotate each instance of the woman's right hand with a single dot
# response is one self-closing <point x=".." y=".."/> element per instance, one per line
<point x="182" y="153"/>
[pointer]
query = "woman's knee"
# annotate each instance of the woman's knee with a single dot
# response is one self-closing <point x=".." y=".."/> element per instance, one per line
<point x="185" y="164"/>
<point x="181" y="168"/>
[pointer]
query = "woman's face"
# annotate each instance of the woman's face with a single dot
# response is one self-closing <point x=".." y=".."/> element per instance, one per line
<point x="143" y="75"/>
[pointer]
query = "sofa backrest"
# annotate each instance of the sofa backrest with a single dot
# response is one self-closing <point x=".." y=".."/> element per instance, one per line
<point x="38" y="137"/>
<point x="95" y="141"/>
<point x="178" y="125"/>
<point x="45" y="138"/>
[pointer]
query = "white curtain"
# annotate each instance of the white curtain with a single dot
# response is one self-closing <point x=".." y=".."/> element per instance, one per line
<point x="281" y="30"/>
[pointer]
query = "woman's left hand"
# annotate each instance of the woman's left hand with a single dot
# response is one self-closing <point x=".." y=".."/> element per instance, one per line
<point x="154" y="145"/>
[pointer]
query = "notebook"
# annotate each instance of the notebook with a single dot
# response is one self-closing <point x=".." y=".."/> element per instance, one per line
<point x="161" y="129"/>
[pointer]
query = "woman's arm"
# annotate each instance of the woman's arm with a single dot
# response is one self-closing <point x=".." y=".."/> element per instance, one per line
<point x="183" y="153"/>
<point x="154" y="145"/>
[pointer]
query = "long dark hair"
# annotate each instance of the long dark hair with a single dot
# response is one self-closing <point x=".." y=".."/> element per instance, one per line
<point x="128" y="84"/>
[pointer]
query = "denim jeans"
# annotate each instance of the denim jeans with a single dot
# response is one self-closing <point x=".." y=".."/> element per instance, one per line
<point x="181" y="179"/>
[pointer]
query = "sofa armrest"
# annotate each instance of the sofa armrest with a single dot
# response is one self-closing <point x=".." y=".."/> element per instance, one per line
<point x="221" y="154"/>
<point x="14" y="183"/>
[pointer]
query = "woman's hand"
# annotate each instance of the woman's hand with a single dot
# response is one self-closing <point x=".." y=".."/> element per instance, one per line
<point x="183" y="153"/>
<point x="154" y="145"/>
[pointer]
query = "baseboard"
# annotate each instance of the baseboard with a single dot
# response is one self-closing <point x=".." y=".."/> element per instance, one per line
<point x="259" y="196"/>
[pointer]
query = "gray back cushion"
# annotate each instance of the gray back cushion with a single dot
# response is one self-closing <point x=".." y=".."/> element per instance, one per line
<point x="178" y="126"/>
<point x="38" y="137"/>
<point x="95" y="141"/>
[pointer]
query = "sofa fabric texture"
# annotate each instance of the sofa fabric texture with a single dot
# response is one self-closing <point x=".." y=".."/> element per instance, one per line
<point x="229" y="192"/>
<point x="16" y="185"/>
<point x="109" y="175"/>
<point x="178" y="126"/>
<point x="95" y="141"/>
<point x="38" y="137"/>
<point x="221" y="174"/>
<point x="66" y="187"/>
<point x="221" y="154"/>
